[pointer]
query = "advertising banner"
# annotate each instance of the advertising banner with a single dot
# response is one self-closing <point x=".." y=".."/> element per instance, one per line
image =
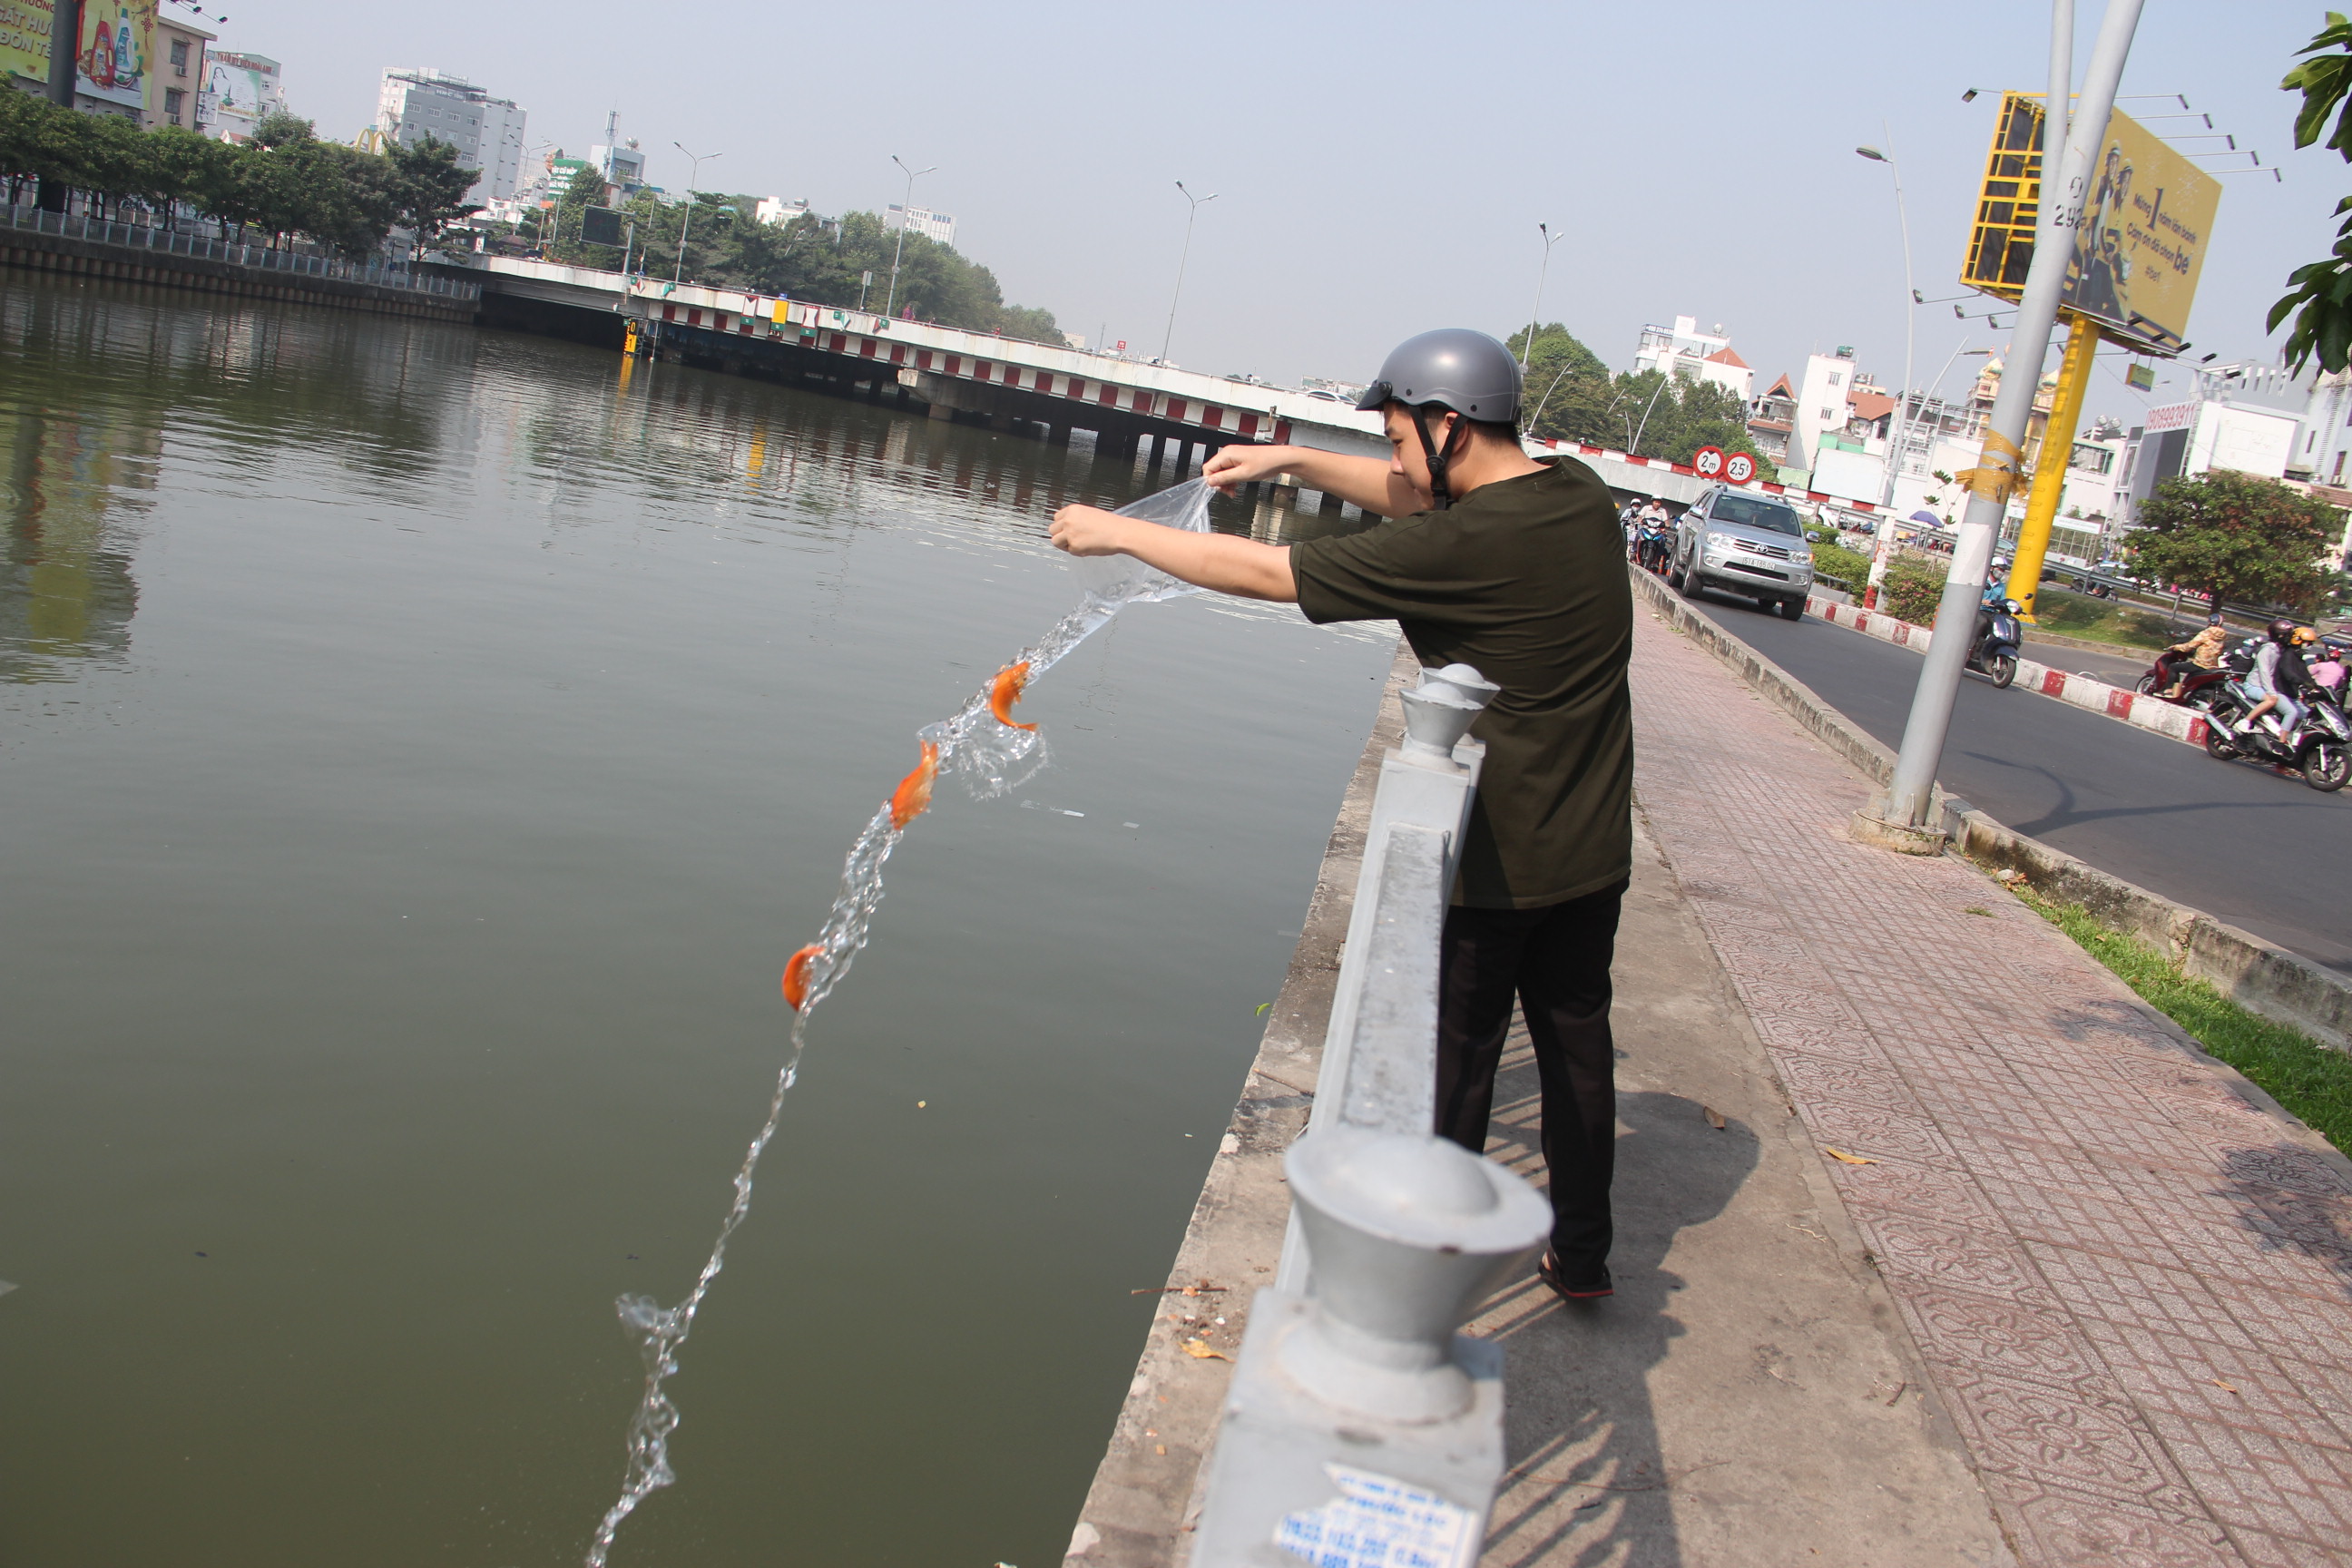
<point x="2136" y="256"/>
<point x="116" y="53"/>
<point x="2142" y="243"/>
<point x="25" y="38"/>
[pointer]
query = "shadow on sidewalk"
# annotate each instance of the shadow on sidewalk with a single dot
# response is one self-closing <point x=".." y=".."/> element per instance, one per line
<point x="1588" y="1478"/>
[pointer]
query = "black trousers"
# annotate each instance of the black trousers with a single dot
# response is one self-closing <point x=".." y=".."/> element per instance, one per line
<point x="1555" y="963"/>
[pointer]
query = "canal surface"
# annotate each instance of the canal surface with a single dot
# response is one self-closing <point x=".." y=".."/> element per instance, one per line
<point x="419" y="750"/>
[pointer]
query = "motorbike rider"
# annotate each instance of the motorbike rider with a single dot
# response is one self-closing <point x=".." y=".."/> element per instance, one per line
<point x="2203" y="650"/>
<point x="2279" y="671"/>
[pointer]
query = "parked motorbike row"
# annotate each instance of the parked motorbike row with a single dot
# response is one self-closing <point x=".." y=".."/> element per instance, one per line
<point x="2318" y="746"/>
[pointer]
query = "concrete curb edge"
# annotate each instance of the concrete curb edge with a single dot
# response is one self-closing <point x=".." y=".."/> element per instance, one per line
<point x="2280" y="985"/>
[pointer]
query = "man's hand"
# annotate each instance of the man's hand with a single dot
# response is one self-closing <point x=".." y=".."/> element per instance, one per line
<point x="1091" y="531"/>
<point x="1247" y="463"/>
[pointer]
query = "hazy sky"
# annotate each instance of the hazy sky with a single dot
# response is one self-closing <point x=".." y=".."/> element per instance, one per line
<point x="1380" y="168"/>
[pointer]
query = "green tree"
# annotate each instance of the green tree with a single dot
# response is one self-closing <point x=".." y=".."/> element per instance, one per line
<point x="2238" y="537"/>
<point x="2319" y="295"/>
<point x="425" y="185"/>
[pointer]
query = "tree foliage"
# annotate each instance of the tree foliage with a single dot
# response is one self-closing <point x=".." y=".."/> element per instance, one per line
<point x="2238" y="537"/>
<point x="812" y="258"/>
<point x="285" y="182"/>
<point x="2319" y="295"/>
<point x="1572" y="397"/>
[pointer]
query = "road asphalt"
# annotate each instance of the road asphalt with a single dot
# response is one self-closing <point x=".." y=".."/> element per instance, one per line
<point x="2241" y="843"/>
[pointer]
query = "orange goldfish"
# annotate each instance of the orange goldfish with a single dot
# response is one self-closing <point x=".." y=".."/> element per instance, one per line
<point x="796" y="974"/>
<point x="913" y="796"/>
<point x="1006" y="692"/>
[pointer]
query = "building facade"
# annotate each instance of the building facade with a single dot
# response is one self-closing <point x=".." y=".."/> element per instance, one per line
<point x="934" y="225"/>
<point x="488" y="132"/>
<point x="176" y="88"/>
<point x="1683" y="350"/>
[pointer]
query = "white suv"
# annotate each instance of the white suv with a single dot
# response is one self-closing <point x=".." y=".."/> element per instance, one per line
<point x="1744" y="543"/>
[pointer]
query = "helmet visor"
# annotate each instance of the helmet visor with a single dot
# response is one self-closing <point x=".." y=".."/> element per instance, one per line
<point x="1376" y="394"/>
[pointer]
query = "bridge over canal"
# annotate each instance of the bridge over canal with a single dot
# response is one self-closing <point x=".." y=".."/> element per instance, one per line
<point x="1028" y="388"/>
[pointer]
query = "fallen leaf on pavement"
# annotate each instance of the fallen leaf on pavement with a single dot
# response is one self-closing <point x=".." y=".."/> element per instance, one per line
<point x="1844" y="1158"/>
<point x="1714" y="1117"/>
<point x="1202" y="1350"/>
<point x="2220" y="1385"/>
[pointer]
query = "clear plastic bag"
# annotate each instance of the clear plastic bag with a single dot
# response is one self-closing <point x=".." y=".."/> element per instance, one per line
<point x="1115" y="580"/>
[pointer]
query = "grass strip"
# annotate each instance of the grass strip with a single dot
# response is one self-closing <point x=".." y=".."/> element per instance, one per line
<point x="2310" y="1081"/>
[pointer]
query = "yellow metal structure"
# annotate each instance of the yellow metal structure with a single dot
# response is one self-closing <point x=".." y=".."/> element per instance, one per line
<point x="2000" y="243"/>
<point x="2050" y="464"/>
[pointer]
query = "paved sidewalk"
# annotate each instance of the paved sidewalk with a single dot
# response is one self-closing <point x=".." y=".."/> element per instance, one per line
<point x="2129" y="1275"/>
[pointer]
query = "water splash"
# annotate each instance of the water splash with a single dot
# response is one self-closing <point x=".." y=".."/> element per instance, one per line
<point x="990" y="757"/>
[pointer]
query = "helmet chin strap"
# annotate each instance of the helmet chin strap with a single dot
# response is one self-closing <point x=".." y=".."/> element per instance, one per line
<point x="1441" y="496"/>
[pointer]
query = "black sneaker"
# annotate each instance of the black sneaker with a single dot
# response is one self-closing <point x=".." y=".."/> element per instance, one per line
<point x="1591" y="1289"/>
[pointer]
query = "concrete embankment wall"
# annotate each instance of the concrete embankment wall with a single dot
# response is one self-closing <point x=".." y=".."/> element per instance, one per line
<point x="133" y="264"/>
<point x="2268" y="980"/>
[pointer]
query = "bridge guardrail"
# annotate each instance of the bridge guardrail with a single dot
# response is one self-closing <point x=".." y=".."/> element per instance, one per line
<point x="1358" y="1426"/>
<point x="172" y="242"/>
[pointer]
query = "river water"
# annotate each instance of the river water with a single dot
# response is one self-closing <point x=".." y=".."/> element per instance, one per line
<point x="420" y="749"/>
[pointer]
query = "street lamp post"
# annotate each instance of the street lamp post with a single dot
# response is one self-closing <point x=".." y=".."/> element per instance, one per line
<point x="677" y="273"/>
<point x="1527" y="352"/>
<point x="1899" y="436"/>
<point x="1193" y="212"/>
<point x="905" y="216"/>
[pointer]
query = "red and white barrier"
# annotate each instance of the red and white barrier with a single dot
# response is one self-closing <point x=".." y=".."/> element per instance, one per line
<point x="2150" y="713"/>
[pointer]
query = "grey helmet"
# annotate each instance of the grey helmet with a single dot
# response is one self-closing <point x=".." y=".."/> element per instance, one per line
<point x="1454" y="368"/>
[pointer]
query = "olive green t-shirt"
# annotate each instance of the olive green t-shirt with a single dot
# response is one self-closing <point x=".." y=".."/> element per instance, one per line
<point x="1524" y="578"/>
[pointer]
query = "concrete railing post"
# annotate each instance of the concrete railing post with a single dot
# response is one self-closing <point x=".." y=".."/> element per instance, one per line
<point x="1359" y="1427"/>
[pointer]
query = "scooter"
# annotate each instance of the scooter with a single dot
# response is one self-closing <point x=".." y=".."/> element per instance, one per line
<point x="1994" y="652"/>
<point x="2319" y="748"/>
<point x="2199" y="686"/>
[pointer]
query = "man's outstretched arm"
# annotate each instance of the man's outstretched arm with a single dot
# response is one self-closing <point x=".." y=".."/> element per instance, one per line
<point x="1222" y="562"/>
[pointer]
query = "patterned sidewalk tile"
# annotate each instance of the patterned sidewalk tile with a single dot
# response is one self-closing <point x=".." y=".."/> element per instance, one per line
<point x="2131" y="1285"/>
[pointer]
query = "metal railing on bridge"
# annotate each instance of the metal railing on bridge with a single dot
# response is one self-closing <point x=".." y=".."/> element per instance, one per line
<point x="168" y="241"/>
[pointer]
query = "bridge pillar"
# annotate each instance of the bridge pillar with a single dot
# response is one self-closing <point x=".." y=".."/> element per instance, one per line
<point x="1057" y="435"/>
<point x="941" y="412"/>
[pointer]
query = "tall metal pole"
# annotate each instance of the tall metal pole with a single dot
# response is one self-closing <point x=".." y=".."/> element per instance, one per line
<point x="2049" y="465"/>
<point x="2056" y="112"/>
<point x="1991" y="480"/>
<point x="1884" y="544"/>
<point x="65" y="36"/>
<point x="905" y="216"/>
<point x="1192" y="212"/>
<point x="686" y="222"/>
<point x="1528" y="350"/>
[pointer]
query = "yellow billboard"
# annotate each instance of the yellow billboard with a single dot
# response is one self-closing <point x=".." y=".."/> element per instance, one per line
<point x="2142" y="240"/>
<point x="2145" y="221"/>
<point x="25" y="38"/>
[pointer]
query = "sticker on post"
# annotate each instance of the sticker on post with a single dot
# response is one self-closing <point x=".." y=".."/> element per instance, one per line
<point x="1379" y="1523"/>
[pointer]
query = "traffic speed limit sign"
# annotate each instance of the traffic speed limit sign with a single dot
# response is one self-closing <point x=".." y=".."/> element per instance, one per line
<point x="1708" y="461"/>
<point x="1739" y="468"/>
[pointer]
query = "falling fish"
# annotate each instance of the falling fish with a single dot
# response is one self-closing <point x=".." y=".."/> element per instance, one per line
<point x="913" y="796"/>
<point x="1007" y="691"/>
<point x="796" y="974"/>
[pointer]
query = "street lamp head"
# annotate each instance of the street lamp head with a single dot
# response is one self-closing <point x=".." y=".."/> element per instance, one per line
<point x="1873" y="154"/>
<point x="1970" y="96"/>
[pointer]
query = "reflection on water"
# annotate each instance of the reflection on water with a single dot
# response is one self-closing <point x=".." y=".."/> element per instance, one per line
<point x="421" y="746"/>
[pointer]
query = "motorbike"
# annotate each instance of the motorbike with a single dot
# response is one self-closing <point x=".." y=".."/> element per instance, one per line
<point x="1994" y="651"/>
<point x="2199" y="686"/>
<point x="1654" y="548"/>
<point x="2319" y="748"/>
